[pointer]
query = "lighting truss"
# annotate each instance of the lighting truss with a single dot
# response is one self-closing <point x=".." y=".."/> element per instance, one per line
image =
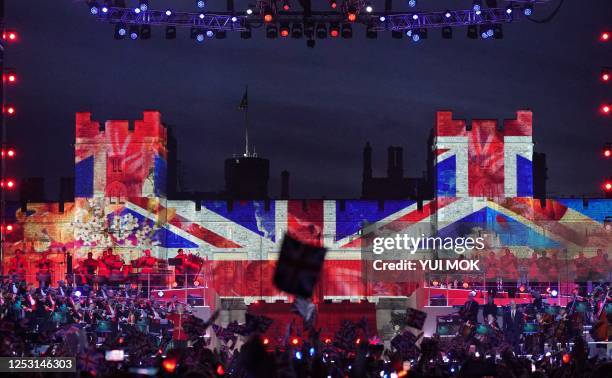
<point x="378" y="21"/>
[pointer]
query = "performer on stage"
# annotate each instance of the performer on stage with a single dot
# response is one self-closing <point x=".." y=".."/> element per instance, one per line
<point x="17" y="266"/>
<point x="513" y="325"/>
<point x="45" y="268"/>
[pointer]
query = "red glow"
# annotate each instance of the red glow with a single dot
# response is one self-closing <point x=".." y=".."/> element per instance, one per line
<point x="295" y="341"/>
<point x="605" y="36"/>
<point x="268" y="17"/>
<point x="220" y="370"/>
<point x="566" y="358"/>
<point x="169" y="365"/>
<point x="605" y="109"/>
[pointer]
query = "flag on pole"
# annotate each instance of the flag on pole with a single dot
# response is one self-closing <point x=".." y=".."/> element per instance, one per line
<point x="244" y="103"/>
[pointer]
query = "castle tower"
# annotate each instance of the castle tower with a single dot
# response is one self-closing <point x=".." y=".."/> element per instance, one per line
<point x="120" y="160"/>
<point x="483" y="161"/>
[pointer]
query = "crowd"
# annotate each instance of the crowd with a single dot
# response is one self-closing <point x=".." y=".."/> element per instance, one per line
<point x="114" y="332"/>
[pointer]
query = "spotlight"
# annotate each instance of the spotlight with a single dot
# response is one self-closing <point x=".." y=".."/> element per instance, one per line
<point x="351" y="14"/>
<point x="297" y="30"/>
<point x="371" y="33"/>
<point x="200" y="4"/>
<point x="144" y="5"/>
<point x="447" y="32"/>
<point x="145" y="32"/>
<point x="268" y="15"/>
<point x="286" y="5"/>
<point x="94" y="8"/>
<point x="477" y="5"/>
<point x="321" y="31"/>
<point x="271" y="31"/>
<point x="334" y="30"/>
<point x="528" y="10"/>
<point x="170" y="32"/>
<point x="284" y="30"/>
<point x="412" y="3"/>
<point x="369" y="8"/>
<point x="120" y="31"/>
<point x="605" y="75"/>
<point x="134" y="31"/>
<point x="347" y="31"/>
<point x="333" y="4"/>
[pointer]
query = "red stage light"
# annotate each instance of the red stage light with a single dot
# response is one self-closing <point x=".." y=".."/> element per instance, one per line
<point x="604" y="36"/>
<point x="169" y="365"/>
<point x="295" y="341"/>
<point x="605" y="109"/>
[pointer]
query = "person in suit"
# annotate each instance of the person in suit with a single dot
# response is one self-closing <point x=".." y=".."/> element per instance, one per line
<point x="513" y="325"/>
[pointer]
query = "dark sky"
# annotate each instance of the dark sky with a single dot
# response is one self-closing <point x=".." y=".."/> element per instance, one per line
<point x="311" y="110"/>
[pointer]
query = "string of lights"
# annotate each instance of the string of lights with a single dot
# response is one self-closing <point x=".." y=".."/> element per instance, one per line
<point x="135" y="22"/>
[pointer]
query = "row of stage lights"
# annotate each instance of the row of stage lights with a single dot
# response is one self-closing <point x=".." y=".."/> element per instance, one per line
<point x="298" y="30"/>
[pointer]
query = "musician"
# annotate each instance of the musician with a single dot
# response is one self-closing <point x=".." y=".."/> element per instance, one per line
<point x="44" y="265"/>
<point x="513" y="325"/>
<point x="509" y="264"/>
<point x="469" y="311"/>
<point x="89" y="267"/>
<point x="490" y="308"/>
<point x="17" y="266"/>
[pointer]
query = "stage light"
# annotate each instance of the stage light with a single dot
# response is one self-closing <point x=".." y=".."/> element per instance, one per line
<point x="347" y="31"/>
<point x="268" y="15"/>
<point x="607" y="151"/>
<point x="528" y="10"/>
<point x="371" y="33"/>
<point x="10" y="35"/>
<point x="297" y="30"/>
<point x="286" y="5"/>
<point x="169" y="365"/>
<point x="168" y="13"/>
<point x="351" y="14"/>
<point x="298" y="355"/>
<point x="447" y="32"/>
<point x="334" y="30"/>
<point x="295" y="341"/>
<point x="284" y="30"/>
<point x="321" y="31"/>
<point x="604" y="36"/>
<point x="554" y="293"/>
<point x="94" y="8"/>
<point x="145" y="32"/>
<point x="144" y="5"/>
<point x="477" y="5"/>
<point x="170" y="32"/>
<point x="605" y="109"/>
<point x="605" y="75"/>
<point x="412" y="3"/>
<point x="369" y="8"/>
<point x="271" y="31"/>
<point x="333" y="4"/>
<point x="134" y="30"/>
<point x="200" y="4"/>
<point x="120" y="31"/>
<point x="10" y="109"/>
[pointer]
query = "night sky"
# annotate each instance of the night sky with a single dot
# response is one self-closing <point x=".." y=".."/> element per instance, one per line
<point x="311" y="110"/>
